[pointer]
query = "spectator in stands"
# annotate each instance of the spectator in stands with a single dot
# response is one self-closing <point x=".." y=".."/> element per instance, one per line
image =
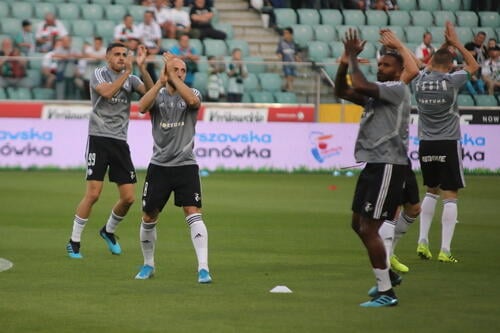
<point x="181" y="20"/>
<point x="126" y="30"/>
<point x="384" y="5"/>
<point x="425" y="50"/>
<point x="12" y="72"/>
<point x="492" y="43"/>
<point x="356" y="4"/>
<point x="475" y="85"/>
<point x="289" y="52"/>
<point x="48" y="31"/>
<point x="477" y="44"/>
<point x="149" y="32"/>
<point x="25" y="39"/>
<point x="49" y="66"/>
<point x="490" y="70"/>
<point x="67" y="58"/>
<point x="215" y="85"/>
<point x="331" y="4"/>
<point x="163" y="16"/>
<point x="92" y="57"/>
<point x="485" y="5"/>
<point x="189" y="55"/>
<point x="201" y="20"/>
<point x="236" y="72"/>
<point x="189" y="3"/>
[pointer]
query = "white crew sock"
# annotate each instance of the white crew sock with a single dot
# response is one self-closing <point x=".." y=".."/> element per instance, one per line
<point x="147" y="236"/>
<point x="448" y="222"/>
<point x="113" y="222"/>
<point x="383" y="279"/>
<point x="199" y="236"/>
<point x="78" y="226"/>
<point x="402" y="225"/>
<point x="386" y="232"/>
<point x="426" y="216"/>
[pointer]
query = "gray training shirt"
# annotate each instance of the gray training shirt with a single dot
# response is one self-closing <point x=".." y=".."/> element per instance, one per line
<point x="173" y="129"/>
<point x="383" y="131"/>
<point x="436" y="95"/>
<point x="110" y="116"/>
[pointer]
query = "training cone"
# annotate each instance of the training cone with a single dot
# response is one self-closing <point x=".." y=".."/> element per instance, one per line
<point x="281" y="289"/>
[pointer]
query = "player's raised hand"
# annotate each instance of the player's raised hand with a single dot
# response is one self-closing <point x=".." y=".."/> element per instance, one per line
<point x="129" y="61"/>
<point x="352" y="44"/>
<point x="142" y="54"/>
<point x="164" y="72"/>
<point x="389" y="39"/>
<point x="450" y="34"/>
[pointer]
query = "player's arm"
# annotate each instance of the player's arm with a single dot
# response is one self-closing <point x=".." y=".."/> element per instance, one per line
<point x="141" y="63"/>
<point x="148" y="99"/>
<point x="390" y="40"/>
<point x="108" y="90"/>
<point x="471" y="65"/>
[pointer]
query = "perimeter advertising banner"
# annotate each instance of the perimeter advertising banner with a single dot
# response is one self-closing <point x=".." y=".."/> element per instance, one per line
<point x="31" y="142"/>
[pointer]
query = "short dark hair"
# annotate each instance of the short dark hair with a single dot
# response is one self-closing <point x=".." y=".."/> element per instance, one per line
<point x="442" y="57"/>
<point x="113" y="45"/>
<point x="289" y="29"/>
<point x="395" y="55"/>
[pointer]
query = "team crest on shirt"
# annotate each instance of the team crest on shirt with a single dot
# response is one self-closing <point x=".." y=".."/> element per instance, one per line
<point x="181" y="104"/>
<point x="126" y="85"/>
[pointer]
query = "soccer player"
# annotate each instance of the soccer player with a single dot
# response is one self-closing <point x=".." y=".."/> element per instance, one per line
<point x="173" y="107"/>
<point x="382" y="144"/>
<point x="440" y="154"/>
<point x="111" y="87"/>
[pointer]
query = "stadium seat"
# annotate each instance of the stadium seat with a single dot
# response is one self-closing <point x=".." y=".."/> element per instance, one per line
<point x="216" y="15"/>
<point x="68" y="11"/>
<point x="370" y="33"/>
<point x="466" y="4"/>
<point x="200" y="82"/>
<point x="82" y="28"/>
<point x="102" y="2"/>
<point x="376" y="17"/>
<point x="137" y="12"/>
<point x="4" y="9"/>
<point x="21" y="10"/>
<point x="407" y="4"/>
<point x="441" y="16"/>
<point x="428" y="5"/>
<point x="43" y="93"/>
<point x="437" y="35"/>
<point x="42" y="8"/>
<point x="331" y="66"/>
<point x="467" y="19"/>
<point x="285" y="17"/>
<point x="497" y="31"/>
<point x="105" y="29"/>
<point x="10" y="26"/>
<point x="342" y="29"/>
<point x="399" y="17"/>
<point x="251" y="83"/>
<point x="285" y="97"/>
<point x="414" y="33"/>
<point x="168" y="43"/>
<point x="197" y="45"/>
<point x="353" y="17"/>
<point x="92" y="12"/>
<point x="337" y="48"/>
<point x="36" y="61"/>
<point x="452" y="5"/>
<point x="489" y="19"/>
<point x="262" y="97"/>
<point x="318" y="50"/>
<point x="226" y="27"/>
<point x="19" y="93"/>
<point x="78" y="41"/>
<point x="331" y="17"/>
<point x="399" y="31"/>
<point x="486" y="100"/>
<point x="421" y="17"/>
<point x="302" y="34"/>
<point x="324" y="33"/>
<point x="34" y="76"/>
<point x="240" y="44"/>
<point x="246" y="98"/>
<point x="369" y="51"/>
<point x="115" y="13"/>
<point x="3" y="94"/>
<point x="465" y="100"/>
<point x="308" y="16"/>
<point x="124" y="2"/>
<point x="270" y="81"/>
<point x="256" y="64"/>
<point x="215" y="47"/>
<point x="464" y="34"/>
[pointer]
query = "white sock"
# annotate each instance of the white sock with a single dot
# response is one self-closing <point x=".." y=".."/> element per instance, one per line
<point x="402" y="225"/>
<point x="448" y="222"/>
<point x="113" y="222"/>
<point x="78" y="226"/>
<point x="426" y="216"/>
<point x="386" y="232"/>
<point x="199" y="236"/>
<point x="383" y="279"/>
<point x="147" y="236"/>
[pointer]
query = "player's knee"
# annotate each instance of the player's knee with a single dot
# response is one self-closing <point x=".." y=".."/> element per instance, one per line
<point x="128" y="200"/>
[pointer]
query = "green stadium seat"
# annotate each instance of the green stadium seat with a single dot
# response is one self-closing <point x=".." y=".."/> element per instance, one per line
<point x="497" y="31"/>
<point x="137" y="12"/>
<point x="399" y="31"/>
<point x="256" y="64"/>
<point x="467" y="4"/>
<point x="10" y="26"/>
<point x="42" y="8"/>
<point x="68" y="11"/>
<point x="342" y="29"/>
<point x="240" y="44"/>
<point x="34" y="76"/>
<point x="302" y="34"/>
<point x="441" y="16"/>
<point x="331" y="17"/>
<point x="246" y="98"/>
<point x="78" y="41"/>
<point x="407" y="4"/>
<point x="226" y="27"/>
<point x="82" y="28"/>
<point x="262" y="97"/>
<point x="3" y="94"/>
<point x="369" y="51"/>
<point x="399" y="17"/>
<point x="465" y="100"/>
<point x="464" y="34"/>
<point x="215" y="47"/>
<point x="370" y="33"/>
<point x="376" y="17"/>
<point x="197" y="45"/>
<point x="421" y="17"/>
<point x="4" y="9"/>
<point x="285" y="97"/>
<point x="92" y="12"/>
<point x="200" y="82"/>
<point x="353" y="17"/>
<point x="452" y="5"/>
<point x="414" y="33"/>
<point x="270" y="81"/>
<point x="115" y="13"/>
<point x="124" y="2"/>
<point x="308" y="16"/>
<point x="102" y="2"/>
<point x="43" y="93"/>
<point x="486" y="100"/>
<point x="336" y="48"/>
<point x="437" y="35"/>
<point x="324" y="33"/>
<point x="21" y="10"/>
<point x="105" y="29"/>
<point x="318" y="50"/>
<point x="167" y="43"/>
<point x="216" y="15"/>
<point x="251" y="82"/>
<point x="331" y="66"/>
<point x="285" y="17"/>
<point x="489" y="19"/>
<point x="467" y="19"/>
<point x="19" y="93"/>
<point x="429" y="5"/>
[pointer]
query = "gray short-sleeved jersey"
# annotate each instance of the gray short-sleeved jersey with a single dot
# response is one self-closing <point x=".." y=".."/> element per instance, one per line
<point x="173" y="129"/>
<point x="436" y="95"/>
<point x="383" y="131"/>
<point x="110" y="116"/>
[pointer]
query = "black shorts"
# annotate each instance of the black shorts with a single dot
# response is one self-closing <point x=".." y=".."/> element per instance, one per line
<point x="105" y="152"/>
<point x="379" y="190"/>
<point x="441" y="164"/>
<point x="160" y="181"/>
<point x="410" y="187"/>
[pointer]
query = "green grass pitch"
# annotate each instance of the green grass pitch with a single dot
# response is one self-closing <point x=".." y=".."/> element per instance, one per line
<point x="265" y="229"/>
